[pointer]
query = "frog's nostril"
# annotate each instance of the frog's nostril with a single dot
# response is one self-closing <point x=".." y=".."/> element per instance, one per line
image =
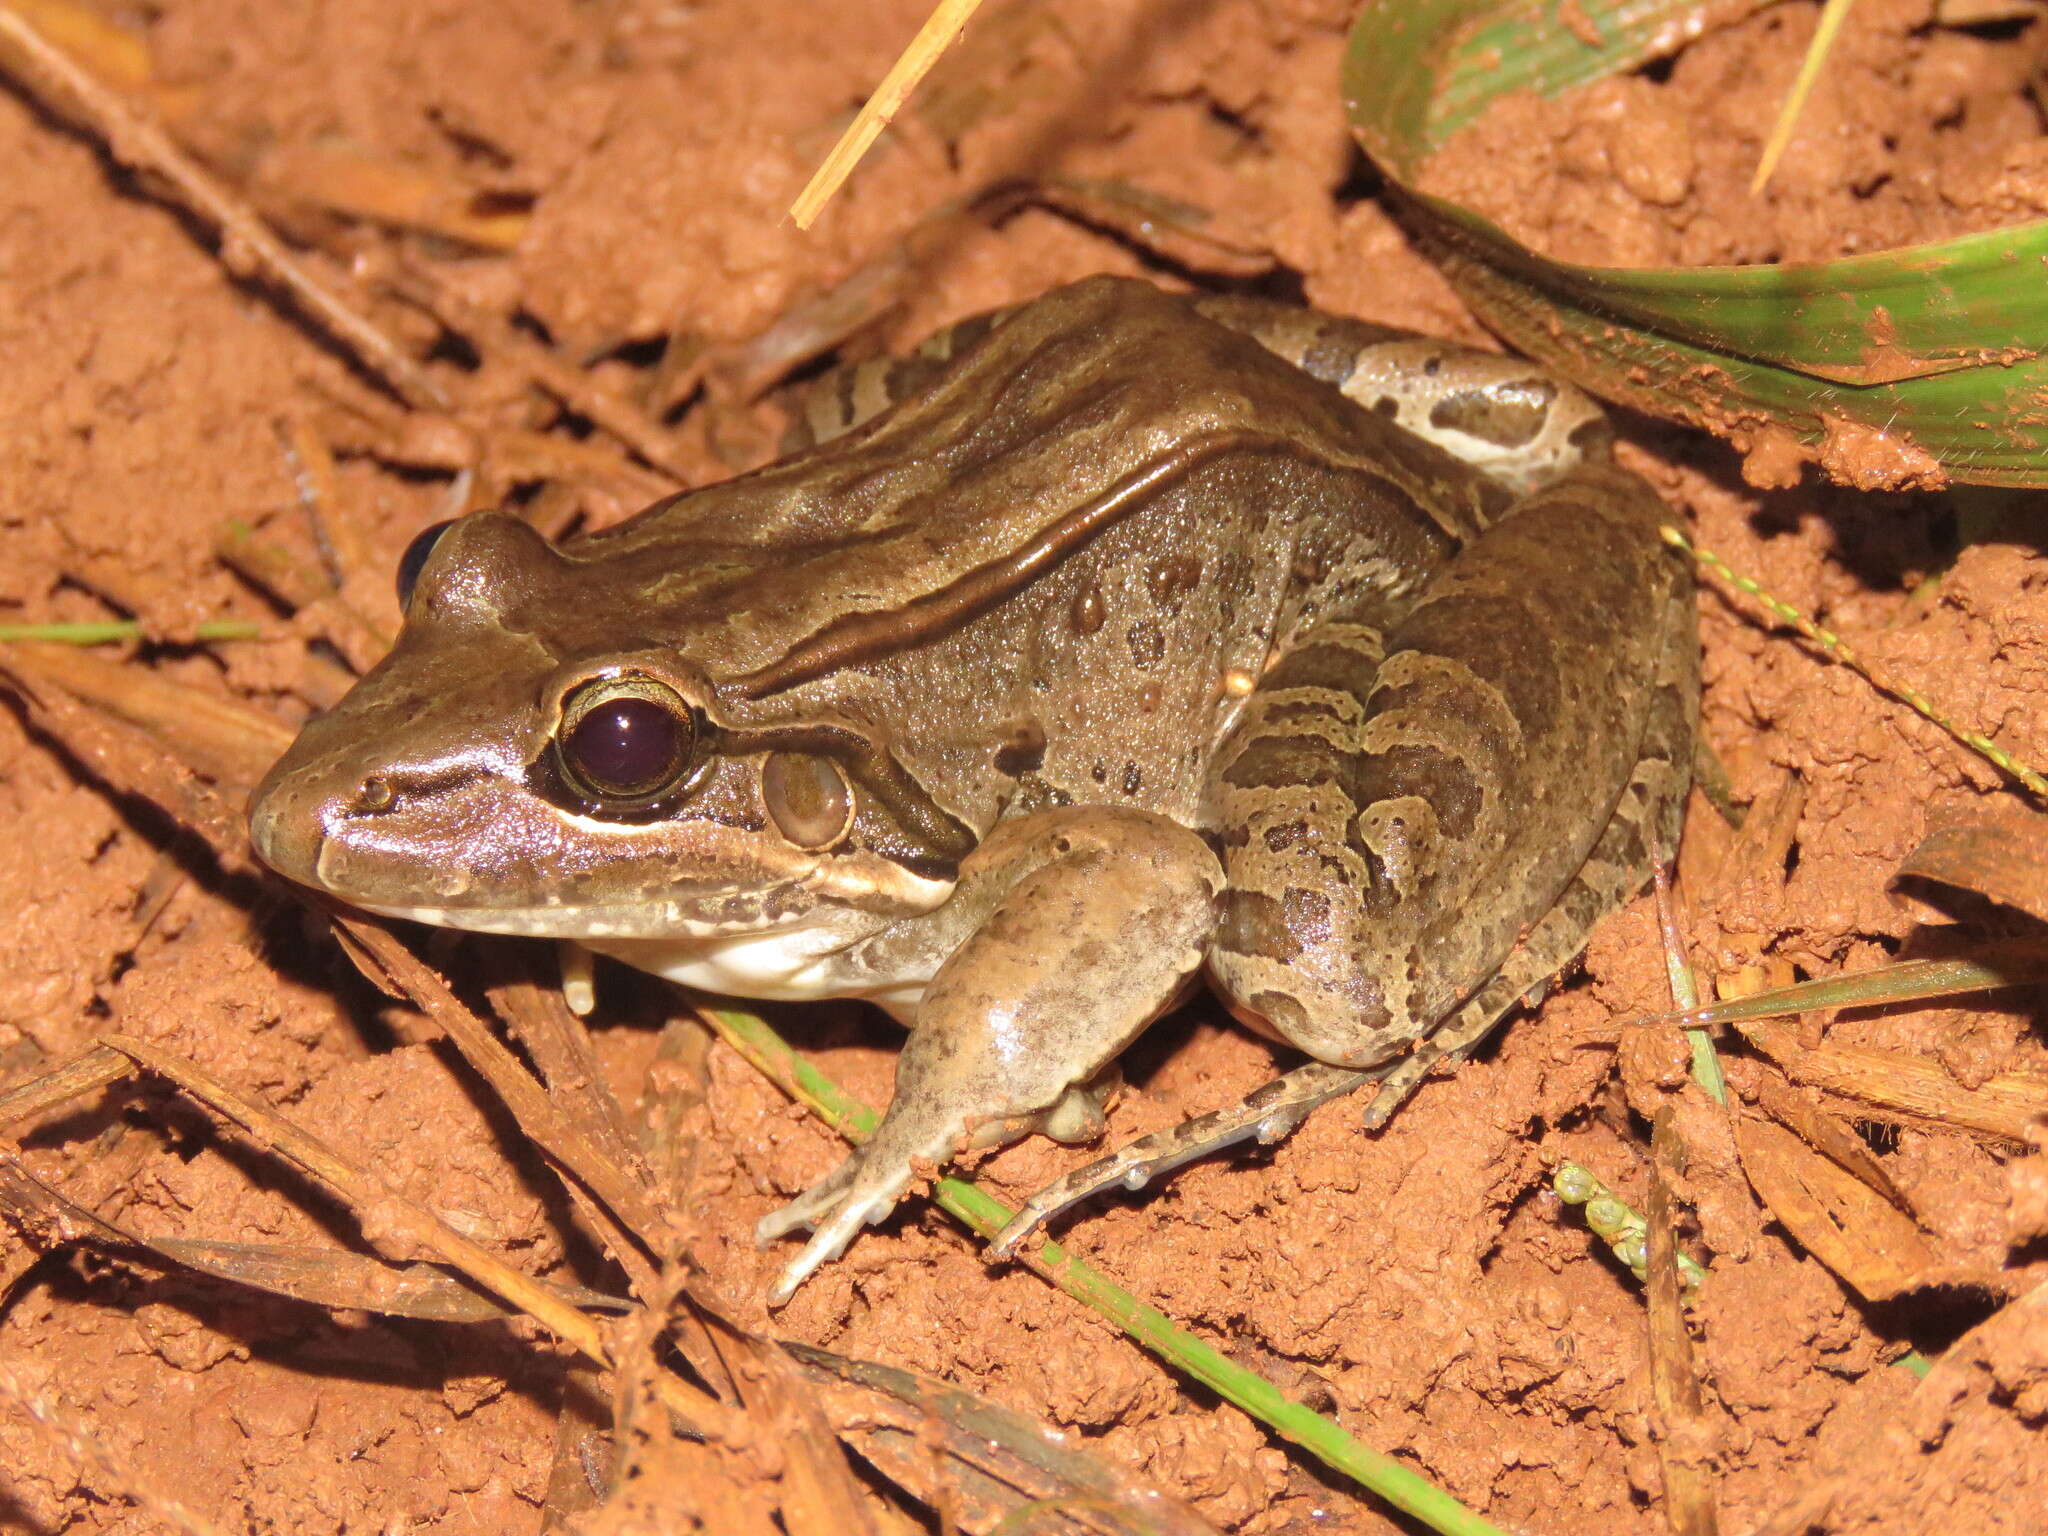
<point x="289" y="816"/>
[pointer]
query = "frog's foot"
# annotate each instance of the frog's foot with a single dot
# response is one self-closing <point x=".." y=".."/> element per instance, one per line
<point x="1268" y="1115"/>
<point x="836" y="1220"/>
<point x="859" y="1193"/>
<point x="804" y="1212"/>
<point x="864" y="1188"/>
<point x="1272" y="1113"/>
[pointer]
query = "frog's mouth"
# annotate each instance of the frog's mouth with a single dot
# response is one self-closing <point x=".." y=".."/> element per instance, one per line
<point x="541" y="873"/>
<point x="695" y="919"/>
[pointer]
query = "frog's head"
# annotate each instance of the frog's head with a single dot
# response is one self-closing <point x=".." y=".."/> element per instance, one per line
<point x="527" y="760"/>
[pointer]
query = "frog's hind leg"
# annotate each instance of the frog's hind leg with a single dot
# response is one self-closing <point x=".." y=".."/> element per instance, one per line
<point x="1642" y="823"/>
<point x="1644" y="826"/>
<point x="1523" y="425"/>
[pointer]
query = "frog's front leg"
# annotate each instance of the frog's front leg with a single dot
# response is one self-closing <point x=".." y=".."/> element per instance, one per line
<point x="1076" y="929"/>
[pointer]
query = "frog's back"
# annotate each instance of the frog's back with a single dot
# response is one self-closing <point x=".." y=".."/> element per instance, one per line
<point x="1065" y="558"/>
<point x="1085" y="410"/>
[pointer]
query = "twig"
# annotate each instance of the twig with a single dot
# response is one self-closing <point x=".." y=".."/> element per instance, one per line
<point x="1684" y="1439"/>
<point x="246" y="245"/>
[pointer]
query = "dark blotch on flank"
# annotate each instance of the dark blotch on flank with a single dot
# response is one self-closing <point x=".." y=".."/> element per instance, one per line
<point x="1508" y="416"/>
<point x="1429" y="773"/>
<point x="1253" y="923"/>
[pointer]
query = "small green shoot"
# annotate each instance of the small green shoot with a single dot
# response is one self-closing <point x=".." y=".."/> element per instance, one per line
<point x="1685" y="992"/>
<point x="1847" y="654"/>
<point x="115" y="631"/>
<point x="1614" y="1221"/>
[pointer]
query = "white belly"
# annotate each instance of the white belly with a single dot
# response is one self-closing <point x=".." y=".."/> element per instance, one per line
<point x="796" y="964"/>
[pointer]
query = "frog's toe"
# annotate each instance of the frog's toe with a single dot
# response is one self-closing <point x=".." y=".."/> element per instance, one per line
<point x="807" y="1209"/>
<point x="868" y="1202"/>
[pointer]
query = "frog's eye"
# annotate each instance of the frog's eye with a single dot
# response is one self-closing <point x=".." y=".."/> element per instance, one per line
<point x="807" y="798"/>
<point x="625" y="739"/>
<point x="414" y="560"/>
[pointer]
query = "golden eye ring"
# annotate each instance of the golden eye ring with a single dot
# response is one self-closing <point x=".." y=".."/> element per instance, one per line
<point x="625" y="741"/>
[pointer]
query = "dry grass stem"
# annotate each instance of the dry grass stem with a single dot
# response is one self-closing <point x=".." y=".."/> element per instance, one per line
<point x="559" y="1044"/>
<point x="109" y="50"/>
<point x="95" y="1069"/>
<point x="1849" y="656"/>
<point x="2007" y="1105"/>
<point x="343" y="546"/>
<point x="1828" y="1134"/>
<point x="1833" y="14"/>
<point x="946" y="22"/>
<point x="624" y="1207"/>
<point x="285" y="577"/>
<point x="955" y="1449"/>
<point x="358" y="183"/>
<point x="1835" y="1216"/>
<point x="247" y="245"/>
<point x="323" y="1277"/>
<point x="577" y="390"/>
<point x="1685" y="1443"/>
<point x="390" y="1220"/>
<point x="135" y="718"/>
<point x="1999" y="851"/>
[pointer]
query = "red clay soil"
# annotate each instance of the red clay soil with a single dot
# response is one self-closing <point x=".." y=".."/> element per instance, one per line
<point x="1421" y="1285"/>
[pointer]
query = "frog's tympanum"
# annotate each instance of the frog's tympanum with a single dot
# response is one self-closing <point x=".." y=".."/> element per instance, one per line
<point x="1144" y="638"/>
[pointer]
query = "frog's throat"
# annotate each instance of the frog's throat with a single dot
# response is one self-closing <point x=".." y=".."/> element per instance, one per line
<point x="819" y="900"/>
<point x="798" y="956"/>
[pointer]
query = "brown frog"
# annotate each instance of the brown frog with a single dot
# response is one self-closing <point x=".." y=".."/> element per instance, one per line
<point x="1145" y="638"/>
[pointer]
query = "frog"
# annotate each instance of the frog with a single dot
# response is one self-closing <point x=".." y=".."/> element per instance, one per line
<point x="1106" y="645"/>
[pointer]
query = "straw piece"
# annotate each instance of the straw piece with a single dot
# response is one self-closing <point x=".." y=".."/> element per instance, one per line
<point x="946" y="22"/>
<point x="247" y="246"/>
<point x="1832" y="15"/>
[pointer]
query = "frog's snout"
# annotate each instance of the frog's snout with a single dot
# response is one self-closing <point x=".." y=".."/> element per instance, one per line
<point x="288" y="816"/>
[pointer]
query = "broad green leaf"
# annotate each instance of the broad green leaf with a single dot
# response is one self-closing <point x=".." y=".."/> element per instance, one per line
<point x="1936" y="347"/>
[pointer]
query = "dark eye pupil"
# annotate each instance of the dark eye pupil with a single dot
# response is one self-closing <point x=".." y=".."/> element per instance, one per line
<point x="414" y="560"/>
<point x="626" y="745"/>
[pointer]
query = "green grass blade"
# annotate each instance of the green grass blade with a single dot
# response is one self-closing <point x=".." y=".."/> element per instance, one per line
<point x="1906" y="982"/>
<point x="985" y="1216"/>
<point x="113" y="631"/>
